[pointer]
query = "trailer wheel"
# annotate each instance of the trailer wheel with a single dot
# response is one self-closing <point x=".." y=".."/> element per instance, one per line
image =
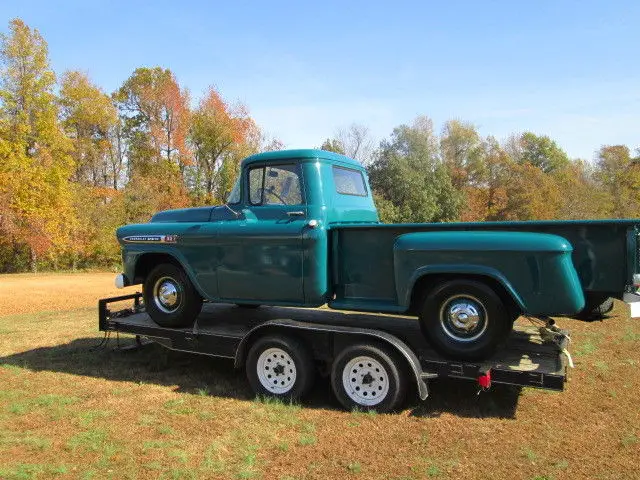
<point x="280" y="366"/>
<point x="170" y="298"/>
<point x="369" y="376"/>
<point x="464" y="319"/>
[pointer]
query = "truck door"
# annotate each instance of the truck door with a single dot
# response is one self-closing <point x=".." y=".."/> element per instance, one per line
<point x="261" y="253"/>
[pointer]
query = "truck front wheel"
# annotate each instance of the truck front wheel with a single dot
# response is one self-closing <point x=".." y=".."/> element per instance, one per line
<point x="170" y="298"/>
<point x="464" y="319"/>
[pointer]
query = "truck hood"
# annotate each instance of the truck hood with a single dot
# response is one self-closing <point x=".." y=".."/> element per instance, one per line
<point x="196" y="214"/>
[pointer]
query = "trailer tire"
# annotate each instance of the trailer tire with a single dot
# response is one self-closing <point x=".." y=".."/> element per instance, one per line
<point x="464" y="320"/>
<point x="367" y="376"/>
<point x="280" y="366"/>
<point x="170" y="298"/>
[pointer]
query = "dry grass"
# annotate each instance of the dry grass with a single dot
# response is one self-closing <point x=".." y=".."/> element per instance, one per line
<point x="32" y="293"/>
<point x="69" y="412"/>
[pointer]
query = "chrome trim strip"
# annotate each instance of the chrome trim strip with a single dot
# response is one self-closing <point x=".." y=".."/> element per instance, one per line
<point x="151" y="239"/>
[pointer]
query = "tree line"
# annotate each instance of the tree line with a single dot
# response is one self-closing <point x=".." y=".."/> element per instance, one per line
<point x="420" y="176"/>
<point x="77" y="162"/>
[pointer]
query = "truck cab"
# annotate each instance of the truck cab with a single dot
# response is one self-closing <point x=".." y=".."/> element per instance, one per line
<point x="269" y="242"/>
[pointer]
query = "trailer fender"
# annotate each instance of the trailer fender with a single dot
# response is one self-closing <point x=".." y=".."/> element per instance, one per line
<point x="339" y="336"/>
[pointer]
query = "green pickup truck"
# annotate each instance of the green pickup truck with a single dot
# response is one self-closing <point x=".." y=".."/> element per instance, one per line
<point x="300" y="228"/>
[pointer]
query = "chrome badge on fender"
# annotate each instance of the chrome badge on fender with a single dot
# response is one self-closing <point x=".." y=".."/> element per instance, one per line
<point x="151" y="239"/>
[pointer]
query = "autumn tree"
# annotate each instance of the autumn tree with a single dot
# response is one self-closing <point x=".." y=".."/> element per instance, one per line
<point x="221" y="135"/>
<point x="461" y="149"/>
<point x="619" y="174"/>
<point x="35" y="164"/>
<point x="156" y="119"/>
<point x="485" y="189"/>
<point x="88" y="117"/>
<point x="529" y="194"/>
<point x="582" y="196"/>
<point x="90" y="120"/>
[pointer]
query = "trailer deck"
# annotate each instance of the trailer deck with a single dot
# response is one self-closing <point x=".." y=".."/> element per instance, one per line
<point x="221" y="329"/>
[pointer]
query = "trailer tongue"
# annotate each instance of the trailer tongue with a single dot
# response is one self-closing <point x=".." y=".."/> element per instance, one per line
<point x="371" y="358"/>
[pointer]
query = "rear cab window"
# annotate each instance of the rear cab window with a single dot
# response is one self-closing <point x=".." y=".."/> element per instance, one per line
<point x="349" y="182"/>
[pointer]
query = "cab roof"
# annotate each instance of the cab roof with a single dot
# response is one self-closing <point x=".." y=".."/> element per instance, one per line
<point x="308" y="153"/>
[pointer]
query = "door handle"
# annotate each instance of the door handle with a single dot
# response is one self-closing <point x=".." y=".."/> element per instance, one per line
<point x="296" y="213"/>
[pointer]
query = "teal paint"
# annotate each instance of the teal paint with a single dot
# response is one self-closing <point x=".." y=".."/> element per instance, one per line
<point x="269" y="254"/>
<point x="532" y="267"/>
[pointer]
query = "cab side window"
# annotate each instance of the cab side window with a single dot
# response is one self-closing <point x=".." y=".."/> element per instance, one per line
<point x="275" y="185"/>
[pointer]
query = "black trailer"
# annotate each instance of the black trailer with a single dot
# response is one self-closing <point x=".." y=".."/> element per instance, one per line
<point x="370" y="358"/>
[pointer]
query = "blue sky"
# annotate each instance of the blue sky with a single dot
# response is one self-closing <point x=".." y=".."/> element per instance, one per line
<point x="567" y="69"/>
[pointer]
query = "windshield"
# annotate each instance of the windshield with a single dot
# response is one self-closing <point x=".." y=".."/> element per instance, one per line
<point x="234" y="196"/>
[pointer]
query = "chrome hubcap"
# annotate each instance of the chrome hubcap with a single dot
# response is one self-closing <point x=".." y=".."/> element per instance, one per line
<point x="166" y="294"/>
<point x="365" y="381"/>
<point x="463" y="318"/>
<point x="276" y="370"/>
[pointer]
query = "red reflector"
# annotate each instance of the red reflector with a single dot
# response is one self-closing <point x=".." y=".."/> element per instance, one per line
<point x="485" y="380"/>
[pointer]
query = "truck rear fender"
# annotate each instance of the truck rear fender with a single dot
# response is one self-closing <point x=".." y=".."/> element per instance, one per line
<point x="328" y="340"/>
<point x="532" y="272"/>
<point x="427" y="277"/>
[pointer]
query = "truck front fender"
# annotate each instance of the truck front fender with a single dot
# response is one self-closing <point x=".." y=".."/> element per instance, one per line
<point x="133" y="255"/>
<point x="535" y="269"/>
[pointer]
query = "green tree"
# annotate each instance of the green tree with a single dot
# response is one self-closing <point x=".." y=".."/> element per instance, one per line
<point x="332" y="145"/>
<point x="539" y="151"/>
<point x="409" y="174"/>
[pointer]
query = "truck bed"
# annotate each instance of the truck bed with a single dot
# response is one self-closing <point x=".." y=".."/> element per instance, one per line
<point x="525" y="360"/>
<point x="363" y="264"/>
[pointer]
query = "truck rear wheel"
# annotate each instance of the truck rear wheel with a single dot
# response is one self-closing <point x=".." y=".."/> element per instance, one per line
<point x="280" y="366"/>
<point x="170" y="298"/>
<point x="369" y="377"/>
<point x="464" y="319"/>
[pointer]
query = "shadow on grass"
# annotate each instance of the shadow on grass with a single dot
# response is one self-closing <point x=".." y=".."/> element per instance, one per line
<point x="195" y="374"/>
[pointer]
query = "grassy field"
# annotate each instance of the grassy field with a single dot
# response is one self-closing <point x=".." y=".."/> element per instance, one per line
<point x="70" y="411"/>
